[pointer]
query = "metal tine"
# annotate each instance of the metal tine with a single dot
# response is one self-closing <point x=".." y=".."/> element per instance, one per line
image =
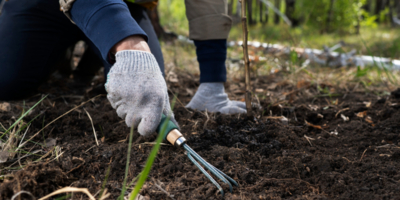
<point x="212" y="166"/>
<point x="223" y="174"/>
<point x="208" y="166"/>
<point x="205" y="173"/>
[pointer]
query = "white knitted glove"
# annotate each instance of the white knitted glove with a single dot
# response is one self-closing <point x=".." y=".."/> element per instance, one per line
<point x="137" y="90"/>
<point x="212" y="97"/>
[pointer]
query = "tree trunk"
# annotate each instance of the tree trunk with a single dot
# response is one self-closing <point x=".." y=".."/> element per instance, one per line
<point x="249" y="11"/>
<point x="260" y="4"/>
<point x="277" y="19"/>
<point x="266" y="14"/>
<point x="155" y="21"/>
<point x="230" y="7"/>
<point x="397" y="9"/>
<point x="379" y="6"/>
<point x="391" y="11"/>
<point x="367" y="6"/>
<point x="289" y="12"/>
<point x="330" y="15"/>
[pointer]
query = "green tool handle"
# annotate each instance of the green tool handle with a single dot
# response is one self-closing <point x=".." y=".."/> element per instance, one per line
<point x="169" y="127"/>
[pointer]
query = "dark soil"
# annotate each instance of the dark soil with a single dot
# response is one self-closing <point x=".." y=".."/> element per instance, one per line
<point x="315" y="155"/>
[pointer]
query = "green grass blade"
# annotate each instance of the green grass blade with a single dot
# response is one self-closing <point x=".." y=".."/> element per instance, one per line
<point x="121" y="196"/>
<point x="152" y="156"/>
<point x="20" y="118"/>
<point x="103" y="186"/>
<point x="149" y="162"/>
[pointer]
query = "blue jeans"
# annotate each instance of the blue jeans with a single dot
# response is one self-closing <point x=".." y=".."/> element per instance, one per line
<point x="34" y="35"/>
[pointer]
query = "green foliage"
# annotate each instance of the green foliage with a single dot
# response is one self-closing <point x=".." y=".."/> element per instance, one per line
<point x="149" y="163"/>
<point x="150" y="160"/>
<point x="361" y="72"/>
<point x="343" y="16"/>
<point x="368" y="20"/>
<point x="128" y="157"/>
<point x="173" y="16"/>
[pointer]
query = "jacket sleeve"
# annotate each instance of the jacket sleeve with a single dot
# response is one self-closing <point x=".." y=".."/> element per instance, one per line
<point x="104" y="22"/>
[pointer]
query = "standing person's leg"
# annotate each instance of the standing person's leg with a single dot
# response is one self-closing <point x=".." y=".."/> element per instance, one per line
<point x="34" y="35"/>
<point x="209" y="26"/>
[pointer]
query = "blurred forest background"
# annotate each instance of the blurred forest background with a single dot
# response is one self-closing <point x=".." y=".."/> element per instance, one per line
<point x="313" y="23"/>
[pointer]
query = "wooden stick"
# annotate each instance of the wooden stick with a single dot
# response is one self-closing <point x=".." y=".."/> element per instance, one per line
<point x="246" y="59"/>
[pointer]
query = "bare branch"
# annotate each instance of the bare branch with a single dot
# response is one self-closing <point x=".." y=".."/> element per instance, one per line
<point x="246" y="59"/>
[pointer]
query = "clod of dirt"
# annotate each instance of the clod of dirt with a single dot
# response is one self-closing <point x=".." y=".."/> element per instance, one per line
<point x="396" y="93"/>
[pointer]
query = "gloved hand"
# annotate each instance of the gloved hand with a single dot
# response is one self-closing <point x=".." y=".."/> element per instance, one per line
<point x="212" y="97"/>
<point x="137" y="90"/>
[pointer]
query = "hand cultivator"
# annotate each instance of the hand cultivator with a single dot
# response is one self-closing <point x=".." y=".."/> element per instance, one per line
<point x="171" y="133"/>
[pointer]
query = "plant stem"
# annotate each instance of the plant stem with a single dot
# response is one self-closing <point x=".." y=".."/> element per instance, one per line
<point x="246" y="59"/>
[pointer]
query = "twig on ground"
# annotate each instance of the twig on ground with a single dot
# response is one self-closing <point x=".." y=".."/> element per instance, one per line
<point x="347" y="159"/>
<point x="75" y="158"/>
<point x="22" y="192"/>
<point x="26" y="155"/>
<point x="387" y="146"/>
<point x="159" y="187"/>
<point x="208" y="119"/>
<point x="308" y="139"/>
<point x="362" y="156"/>
<point x="90" y="148"/>
<point x="3" y="127"/>
<point x="94" y="131"/>
<point x="153" y="143"/>
<point x="70" y="189"/>
<point x="19" y="146"/>
<point x="57" y="155"/>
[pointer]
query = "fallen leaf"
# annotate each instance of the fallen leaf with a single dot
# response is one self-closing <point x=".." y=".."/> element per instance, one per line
<point x="301" y="84"/>
<point x="5" y="107"/>
<point x="367" y="104"/>
<point x="361" y="114"/>
<point x="314" y="126"/>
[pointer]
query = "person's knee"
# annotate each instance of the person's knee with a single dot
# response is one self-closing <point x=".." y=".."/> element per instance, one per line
<point x="13" y="89"/>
